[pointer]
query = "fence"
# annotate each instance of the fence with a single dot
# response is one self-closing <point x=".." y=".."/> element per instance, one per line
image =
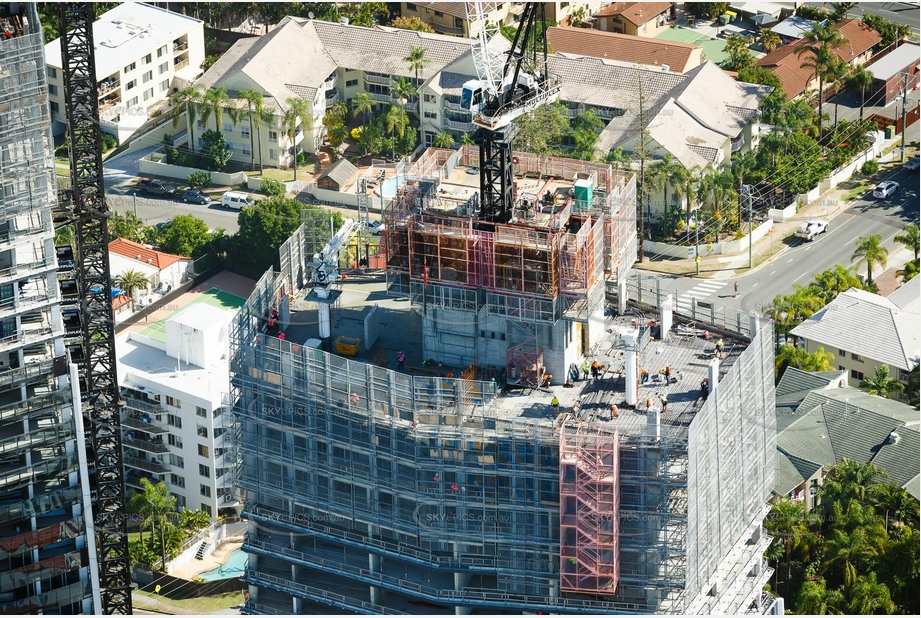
<point x="724" y="247"/>
<point x="178" y="588"/>
<point x="151" y="165"/>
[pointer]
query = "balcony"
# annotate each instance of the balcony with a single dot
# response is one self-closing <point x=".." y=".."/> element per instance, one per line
<point x="136" y="403"/>
<point x="736" y="144"/>
<point x="332" y="96"/>
<point x="459" y="126"/>
<point x="147" y="465"/>
<point x="332" y="82"/>
<point x="381" y="98"/>
<point x="180" y="46"/>
<point x="180" y="64"/>
<point x="149" y="446"/>
<point x="108" y="86"/>
<point x="453" y="107"/>
<point x="109" y="111"/>
<point x="380" y="80"/>
<point x="138" y="422"/>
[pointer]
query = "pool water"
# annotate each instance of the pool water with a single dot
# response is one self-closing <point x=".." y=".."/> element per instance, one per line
<point x="389" y="187"/>
<point x="234" y="566"/>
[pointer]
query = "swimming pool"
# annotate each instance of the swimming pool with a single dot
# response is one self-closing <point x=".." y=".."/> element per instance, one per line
<point x="389" y="187"/>
<point x="234" y="566"/>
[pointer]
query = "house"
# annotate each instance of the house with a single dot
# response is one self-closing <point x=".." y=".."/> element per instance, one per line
<point x="175" y="382"/>
<point x="163" y="270"/>
<point x="451" y="17"/>
<point x="816" y="421"/>
<point x="796" y="79"/>
<point x="890" y="331"/>
<point x="337" y="176"/>
<point x="756" y="12"/>
<point x="636" y="18"/>
<point x="793" y="28"/>
<point x="143" y="54"/>
<point x="891" y="71"/>
<point x="665" y="55"/>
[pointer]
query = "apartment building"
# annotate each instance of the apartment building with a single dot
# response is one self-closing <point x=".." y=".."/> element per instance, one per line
<point x="451" y="17"/>
<point x="143" y="54"/>
<point x="174" y="379"/>
<point x="48" y="560"/>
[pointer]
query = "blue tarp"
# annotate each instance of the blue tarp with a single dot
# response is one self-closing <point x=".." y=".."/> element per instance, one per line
<point x="115" y="291"/>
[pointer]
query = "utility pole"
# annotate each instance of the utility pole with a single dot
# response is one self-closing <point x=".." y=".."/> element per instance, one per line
<point x="904" y="104"/>
<point x="697" y="244"/>
<point x="747" y="193"/>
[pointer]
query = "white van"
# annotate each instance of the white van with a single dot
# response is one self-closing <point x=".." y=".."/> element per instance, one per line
<point x="236" y="200"/>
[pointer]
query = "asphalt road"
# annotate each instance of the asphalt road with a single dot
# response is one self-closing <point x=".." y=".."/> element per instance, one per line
<point x="154" y="211"/>
<point x="899" y="12"/>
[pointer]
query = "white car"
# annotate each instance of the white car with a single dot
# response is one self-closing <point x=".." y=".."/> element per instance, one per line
<point x="912" y="164"/>
<point x="811" y="229"/>
<point x="885" y="189"/>
<point x="376" y="227"/>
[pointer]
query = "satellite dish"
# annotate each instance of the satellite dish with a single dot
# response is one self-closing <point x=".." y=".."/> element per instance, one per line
<point x="310" y="15"/>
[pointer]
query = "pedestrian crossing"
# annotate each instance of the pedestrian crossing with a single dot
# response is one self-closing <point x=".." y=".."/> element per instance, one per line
<point x="702" y="291"/>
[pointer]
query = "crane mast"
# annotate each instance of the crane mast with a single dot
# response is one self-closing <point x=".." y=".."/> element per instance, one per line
<point x="85" y="209"/>
<point x="510" y="84"/>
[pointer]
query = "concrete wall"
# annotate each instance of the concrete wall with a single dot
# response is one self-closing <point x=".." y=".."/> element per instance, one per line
<point x="151" y="165"/>
<point x="720" y="248"/>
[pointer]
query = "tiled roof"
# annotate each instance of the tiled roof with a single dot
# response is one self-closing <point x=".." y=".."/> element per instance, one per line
<point x="807" y="437"/>
<point x="891" y="335"/>
<point x="789" y="67"/>
<point x="141" y="253"/>
<point x="791" y="471"/>
<point x="622" y="47"/>
<point x="609" y="83"/>
<point x="795" y="383"/>
<point x="637" y="13"/>
<point x="901" y="460"/>
<point x="120" y="301"/>
<point x="455" y="9"/>
<point x="342" y="172"/>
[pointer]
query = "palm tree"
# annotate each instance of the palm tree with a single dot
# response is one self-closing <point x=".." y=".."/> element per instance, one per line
<point x="402" y="90"/>
<point x="860" y="79"/>
<point x="894" y="501"/>
<point x="909" y="239"/>
<point x="839" y="11"/>
<point x="131" y="280"/>
<point x="820" y="44"/>
<point x="467" y="139"/>
<point x="214" y="102"/>
<point x="871" y="252"/>
<point x="254" y="102"/>
<point x="397" y="121"/>
<point x="769" y="39"/>
<point x="156" y="503"/>
<point x="193" y="521"/>
<point x="672" y="176"/>
<point x="831" y="282"/>
<point x="188" y="99"/>
<point x="846" y="551"/>
<point x="297" y="114"/>
<point x="868" y="597"/>
<point x="849" y="480"/>
<point x="417" y="61"/>
<point x="881" y="384"/>
<point x="789" y="522"/>
<point x="816" y="599"/>
<point x="363" y="104"/>
<point x="443" y="140"/>
<point x="909" y="271"/>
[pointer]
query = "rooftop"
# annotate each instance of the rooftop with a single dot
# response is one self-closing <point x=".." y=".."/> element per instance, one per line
<point x="142" y="253"/>
<point x="895" y="61"/>
<point x="637" y="13"/>
<point x="126" y="33"/>
<point x="622" y="47"/>
<point x="794" y="27"/>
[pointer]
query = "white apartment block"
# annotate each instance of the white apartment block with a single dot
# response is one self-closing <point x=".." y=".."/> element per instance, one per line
<point x="143" y="54"/>
<point x="175" y="383"/>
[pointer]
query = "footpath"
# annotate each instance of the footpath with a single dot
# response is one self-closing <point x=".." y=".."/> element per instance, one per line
<point x="827" y="206"/>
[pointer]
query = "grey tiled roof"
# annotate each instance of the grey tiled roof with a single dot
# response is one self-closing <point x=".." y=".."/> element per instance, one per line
<point x="808" y="437"/>
<point x="891" y="335"/>
<point x="791" y="471"/>
<point x="901" y="460"/>
<point x="913" y="487"/>
<point x="448" y="82"/>
<point x="342" y="172"/>
<point x="594" y="81"/>
<point x="795" y="383"/>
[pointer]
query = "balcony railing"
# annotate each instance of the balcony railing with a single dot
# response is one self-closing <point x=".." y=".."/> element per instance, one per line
<point x="332" y="82"/>
<point x="105" y="87"/>
<point x="181" y="64"/>
<point x="136" y="403"/>
<point x="146" y="445"/>
<point x="380" y="80"/>
<point x="736" y="144"/>
<point x="381" y="98"/>
<point x="146" y="464"/>
<point x="179" y="46"/>
<point x="133" y="422"/>
<point x="458" y="126"/>
<point x="332" y="96"/>
<point x="454" y="107"/>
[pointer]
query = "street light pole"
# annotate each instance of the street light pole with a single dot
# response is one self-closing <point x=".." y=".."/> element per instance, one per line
<point x="747" y="193"/>
<point x="697" y="244"/>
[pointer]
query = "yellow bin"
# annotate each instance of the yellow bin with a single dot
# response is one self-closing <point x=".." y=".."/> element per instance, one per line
<point x="347" y="346"/>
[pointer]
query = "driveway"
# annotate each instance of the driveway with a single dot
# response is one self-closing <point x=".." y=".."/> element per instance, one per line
<point x="124" y="168"/>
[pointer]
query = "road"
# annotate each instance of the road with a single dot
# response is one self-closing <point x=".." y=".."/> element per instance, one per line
<point x="899" y="12"/>
<point x="153" y="211"/>
<point x="802" y="259"/>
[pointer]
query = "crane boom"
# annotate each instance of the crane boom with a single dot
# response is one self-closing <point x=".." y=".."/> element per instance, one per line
<point x="88" y="213"/>
<point x="490" y="64"/>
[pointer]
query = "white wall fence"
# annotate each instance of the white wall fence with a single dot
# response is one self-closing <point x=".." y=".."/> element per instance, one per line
<point x="151" y="164"/>
<point x="726" y="247"/>
<point x="213" y="535"/>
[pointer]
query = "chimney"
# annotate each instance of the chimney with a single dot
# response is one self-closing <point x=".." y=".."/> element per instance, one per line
<point x="893" y="438"/>
<point x="631" y="366"/>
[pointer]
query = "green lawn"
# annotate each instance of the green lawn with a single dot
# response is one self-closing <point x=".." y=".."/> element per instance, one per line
<point x="713" y="48"/>
<point x="200" y="605"/>
<point x="304" y="172"/>
<point x="214" y="297"/>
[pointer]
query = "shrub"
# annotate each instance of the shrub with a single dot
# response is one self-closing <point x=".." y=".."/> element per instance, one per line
<point x="356" y="133"/>
<point x="199" y="179"/>
<point x="869" y="168"/>
<point x="108" y="142"/>
<point x="272" y="188"/>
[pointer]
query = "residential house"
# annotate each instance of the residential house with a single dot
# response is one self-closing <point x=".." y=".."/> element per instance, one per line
<point x="451" y="17"/>
<point x="561" y="12"/>
<point x="143" y="54"/>
<point x="636" y="18"/>
<point x="163" y="270"/>
<point x="817" y="427"/>
<point x="664" y="55"/>
<point x="890" y="331"/>
<point x="793" y="28"/>
<point x="757" y="13"/>
<point x="892" y="72"/>
<point x="175" y="382"/>
<point x="797" y="79"/>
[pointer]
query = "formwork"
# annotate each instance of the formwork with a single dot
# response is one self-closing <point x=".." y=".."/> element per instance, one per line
<point x="42" y="531"/>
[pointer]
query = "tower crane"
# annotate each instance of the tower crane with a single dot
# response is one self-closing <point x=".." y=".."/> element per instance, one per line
<point x="84" y="207"/>
<point x="510" y="84"/>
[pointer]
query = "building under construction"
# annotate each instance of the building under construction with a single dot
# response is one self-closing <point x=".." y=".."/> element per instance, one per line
<point x="45" y="554"/>
<point x="432" y="489"/>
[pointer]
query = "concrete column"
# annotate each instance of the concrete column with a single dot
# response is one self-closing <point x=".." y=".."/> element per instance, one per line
<point x="631" y="366"/>
<point x="296" y="605"/>
<point x="665" y="325"/>
<point x="713" y="374"/>
<point x="375" y="594"/>
<point x="621" y="295"/>
<point x="653" y="424"/>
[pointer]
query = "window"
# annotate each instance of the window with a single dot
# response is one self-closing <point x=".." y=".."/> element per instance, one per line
<point x="174" y="420"/>
<point x="351" y="83"/>
<point x="180" y="502"/>
<point x="439" y="14"/>
<point x="176" y="461"/>
<point x="218" y="432"/>
<point x="246" y="151"/>
<point x="856" y="357"/>
<point x="177" y="480"/>
<point x="206" y="509"/>
<point x="52" y="89"/>
<point x="131" y="84"/>
<point x="202" y="431"/>
<point x="148" y="58"/>
<point x="131" y="67"/>
<point x="273" y="155"/>
<point x="204" y="490"/>
<point x="161" y="51"/>
<point x="132" y="101"/>
<point x="148" y="93"/>
<point x="54" y="107"/>
<point x="273" y="135"/>
<point x="841" y="352"/>
<point x="163" y="68"/>
<point x="856" y="375"/>
<point x="203" y="450"/>
<point x="459" y="23"/>
<point x="217" y="412"/>
<point x="412" y="7"/>
<point x="148" y="76"/>
<point x="172" y="401"/>
<point x="164" y="85"/>
<point x="428" y="98"/>
<point x="228" y="128"/>
<point x="204" y="471"/>
<point x="174" y="440"/>
<point x="430" y="115"/>
<point x="202" y="412"/>
<point x="51" y="72"/>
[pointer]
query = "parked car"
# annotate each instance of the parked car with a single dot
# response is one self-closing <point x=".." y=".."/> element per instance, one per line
<point x="885" y="189"/>
<point x="194" y="196"/>
<point x="155" y="187"/>
<point x="913" y="163"/>
<point x="376" y="227"/>
<point x="811" y="229"/>
<point x="236" y="200"/>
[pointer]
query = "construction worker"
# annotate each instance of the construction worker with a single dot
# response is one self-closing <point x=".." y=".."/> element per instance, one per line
<point x="663" y="399"/>
<point x="644" y="376"/>
<point x="547" y="378"/>
<point x="555" y="404"/>
<point x="648" y="403"/>
<point x="401" y="360"/>
<point x="719" y="347"/>
<point x="596" y="369"/>
<point x="585" y="369"/>
<point x="668" y="374"/>
<point x="735" y="289"/>
<point x="614" y="411"/>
